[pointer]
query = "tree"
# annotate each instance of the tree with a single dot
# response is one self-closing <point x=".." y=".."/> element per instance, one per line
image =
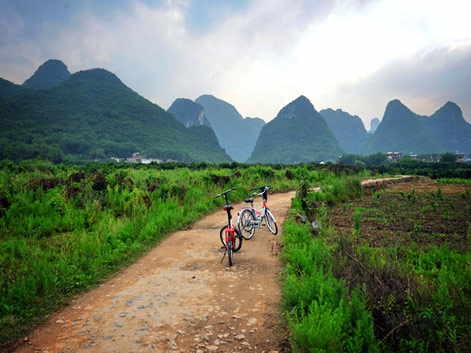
<point x="448" y="158"/>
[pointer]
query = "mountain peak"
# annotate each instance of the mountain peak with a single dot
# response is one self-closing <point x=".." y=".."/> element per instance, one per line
<point x="302" y="99"/>
<point x="47" y="75"/>
<point x="451" y="107"/>
<point x="450" y="113"/>
<point x="396" y="107"/>
<point x="96" y="75"/>
<point x="188" y="112"/>
<point x="300" y="107"/>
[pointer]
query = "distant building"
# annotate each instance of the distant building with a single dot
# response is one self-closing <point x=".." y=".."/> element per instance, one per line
<point x="138" y="158"/>
<point x="394" y="156"/>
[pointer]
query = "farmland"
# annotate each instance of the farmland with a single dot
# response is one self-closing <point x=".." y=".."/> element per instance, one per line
<point x="389" y="270"/>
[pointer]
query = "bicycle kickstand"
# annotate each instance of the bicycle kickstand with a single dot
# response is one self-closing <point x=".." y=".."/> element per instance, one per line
<point x="223" y="256"/>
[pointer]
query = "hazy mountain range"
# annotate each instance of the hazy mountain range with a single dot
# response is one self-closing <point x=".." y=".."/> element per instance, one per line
<point x="91" y="114"/>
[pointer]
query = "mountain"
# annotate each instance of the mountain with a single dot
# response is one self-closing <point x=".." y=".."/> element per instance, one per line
<point x="348" y="130"/>
<point x="297" y="134"/>
<point x="448" y="124"/>
<point x="235" y="134"/>
<point x="93" y="115"/>
<point x="374" y="123"/>
<point x="192" y="116"/>
<point x="49" y="74"/>
<point x="188" y="112"/>
<point x="8" y="88"/>
<point x="404" y="131"/>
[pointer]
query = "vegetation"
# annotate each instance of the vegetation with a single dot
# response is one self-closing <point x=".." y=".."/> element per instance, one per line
<point x="297" y="134"/>
<point x="322" y="313"/>
<point x="399" y="254"/>
<point x="93" y="116"/>
<point x="64" y="228"/>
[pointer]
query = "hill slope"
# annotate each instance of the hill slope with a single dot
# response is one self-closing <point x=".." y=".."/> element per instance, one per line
<point x="49" y="74"/>
<point x="235" y="134"/>
<point x="348" y="130"/>
<point x="93" y="115"/>
<point x="297" y="134"/>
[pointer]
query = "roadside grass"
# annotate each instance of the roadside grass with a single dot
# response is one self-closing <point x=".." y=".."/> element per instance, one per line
<point x="322" y="314"/>
<point x="66" y="228"/>
<point x="414" y="294"/>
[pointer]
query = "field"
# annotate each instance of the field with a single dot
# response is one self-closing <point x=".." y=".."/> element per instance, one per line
<point x="389" y="270"/>
<point x="66" y="228"/>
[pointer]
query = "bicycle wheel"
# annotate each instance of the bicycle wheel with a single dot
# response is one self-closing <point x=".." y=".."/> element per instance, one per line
<point x="238" y="243"/>
<point x="246" y="224"/>
<point x="271" y="223"/>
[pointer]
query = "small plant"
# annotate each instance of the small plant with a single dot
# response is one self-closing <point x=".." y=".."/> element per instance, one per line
<point x="356" y="223"/>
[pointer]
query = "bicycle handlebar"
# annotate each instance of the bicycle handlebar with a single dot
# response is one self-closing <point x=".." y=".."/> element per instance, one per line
<point x="264" y="187"/>
<point x="224" y="193"/>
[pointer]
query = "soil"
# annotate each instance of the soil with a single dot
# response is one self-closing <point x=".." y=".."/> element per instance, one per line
<point x="179" y="297"/>
<point x="421" y="211"/>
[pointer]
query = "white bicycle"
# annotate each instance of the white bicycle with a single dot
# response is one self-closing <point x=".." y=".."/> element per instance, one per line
<point x="249" y="219"/>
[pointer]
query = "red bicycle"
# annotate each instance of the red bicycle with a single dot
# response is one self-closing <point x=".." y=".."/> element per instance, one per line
<point x="229" y="235"/>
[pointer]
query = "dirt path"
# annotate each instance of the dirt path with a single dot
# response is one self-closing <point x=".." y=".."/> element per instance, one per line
<point x="179" y="298"/>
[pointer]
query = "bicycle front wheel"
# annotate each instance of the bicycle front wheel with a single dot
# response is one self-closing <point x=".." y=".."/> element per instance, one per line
<point x="271" y="223"/>
<point x="246" y="224"/>
<point x="238" y="239"/>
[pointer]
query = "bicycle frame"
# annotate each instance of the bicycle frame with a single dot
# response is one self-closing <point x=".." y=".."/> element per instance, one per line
<point x="230" y="232"/>
<point x="259" y="214"/>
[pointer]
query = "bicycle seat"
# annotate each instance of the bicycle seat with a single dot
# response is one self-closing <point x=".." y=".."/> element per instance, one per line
<point x="250" y="200"/>
<point x="228" y="207"/>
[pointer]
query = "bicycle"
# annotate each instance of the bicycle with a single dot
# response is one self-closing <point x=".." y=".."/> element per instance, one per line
<point x="249" y="219"/>
<point x="229" y="235"/>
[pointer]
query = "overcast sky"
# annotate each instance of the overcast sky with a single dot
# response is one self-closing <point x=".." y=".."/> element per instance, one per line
<point x="257" y="54"/>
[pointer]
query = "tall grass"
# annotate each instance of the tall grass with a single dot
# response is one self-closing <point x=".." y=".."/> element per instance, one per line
<point x="323" y="316"/>
<point x="411" y="298"/>
<point x="65" y="228"/>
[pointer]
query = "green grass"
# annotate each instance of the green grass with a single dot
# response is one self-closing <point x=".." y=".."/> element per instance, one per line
<point x="454" y="181"/>
<point x="323" y="316"/>
<point x="66" y="228"/>
<point x="345" y="292"/>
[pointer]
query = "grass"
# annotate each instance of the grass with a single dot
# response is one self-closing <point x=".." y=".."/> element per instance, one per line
<point x="66" y="228"/>
<point x="323" y="316"/>
<point x="399" y="259"/>
<point x="454" y="181"/>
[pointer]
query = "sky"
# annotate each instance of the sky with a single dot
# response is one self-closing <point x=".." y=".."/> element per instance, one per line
<point x="256" y="54"/>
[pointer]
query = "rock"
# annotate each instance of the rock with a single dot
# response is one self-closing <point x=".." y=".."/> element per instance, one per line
<point x="60" y="321"/>
<point x="212" y="348"/>
<point x="251" y="321"/>
<point x="240" y="337"/>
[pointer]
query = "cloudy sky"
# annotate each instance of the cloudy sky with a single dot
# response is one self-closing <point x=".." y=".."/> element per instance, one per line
<point x="257" y="54"/>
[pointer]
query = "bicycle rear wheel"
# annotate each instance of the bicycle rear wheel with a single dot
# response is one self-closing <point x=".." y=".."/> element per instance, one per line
<point x="246" y="224"/>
